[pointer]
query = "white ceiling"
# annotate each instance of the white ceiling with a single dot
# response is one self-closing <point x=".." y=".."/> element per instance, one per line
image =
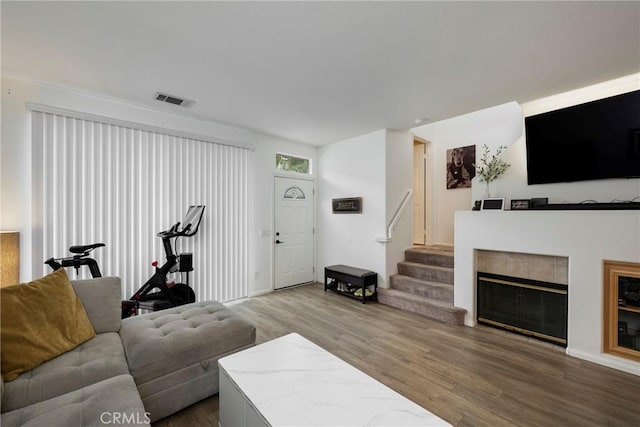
<point x="318" y="72"/>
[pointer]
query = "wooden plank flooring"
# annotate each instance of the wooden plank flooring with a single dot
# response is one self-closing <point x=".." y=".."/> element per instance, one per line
<point x="467" y="376"/>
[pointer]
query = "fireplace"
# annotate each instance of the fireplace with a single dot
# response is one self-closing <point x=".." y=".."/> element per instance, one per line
<point x="524" y="306"/>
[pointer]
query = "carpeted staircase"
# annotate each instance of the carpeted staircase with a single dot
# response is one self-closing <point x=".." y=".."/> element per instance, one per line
<point x="424" y="285"/>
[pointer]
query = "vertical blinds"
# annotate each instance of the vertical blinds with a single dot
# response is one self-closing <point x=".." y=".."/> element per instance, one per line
<point x="100" y="182"/>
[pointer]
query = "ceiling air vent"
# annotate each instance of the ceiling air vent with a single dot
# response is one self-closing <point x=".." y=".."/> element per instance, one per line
<point x="163" y="97"/>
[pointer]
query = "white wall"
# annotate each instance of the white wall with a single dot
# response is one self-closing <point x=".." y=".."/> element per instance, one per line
<point x="262" y="228"/>
<point x="504" y="125"/>
<point x="353" y="168"/>
<point x="399" y="179"/>
<point x="500" y="125"/>
<point x="377" y="167"/>
<point x="513" y="184"/>
<point x="16" y="167"/>
<point x="586" y="238"/>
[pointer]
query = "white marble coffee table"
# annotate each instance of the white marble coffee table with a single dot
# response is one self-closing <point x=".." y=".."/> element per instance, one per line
<point x="291" y="381"/>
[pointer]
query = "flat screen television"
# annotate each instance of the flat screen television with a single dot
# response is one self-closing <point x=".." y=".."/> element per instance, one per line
<point x="595" y="140"/>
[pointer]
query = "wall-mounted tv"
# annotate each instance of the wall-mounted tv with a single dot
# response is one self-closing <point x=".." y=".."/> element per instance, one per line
<point x="595" y="140"/>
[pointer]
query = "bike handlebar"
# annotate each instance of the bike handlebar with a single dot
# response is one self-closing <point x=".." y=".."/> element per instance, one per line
<point x="76" y="262"/>
<point x="173" y="231"/>
<point x="192" y="220"/>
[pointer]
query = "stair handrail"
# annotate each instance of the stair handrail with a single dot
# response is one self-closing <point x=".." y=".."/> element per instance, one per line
<point x="386" y="238"/>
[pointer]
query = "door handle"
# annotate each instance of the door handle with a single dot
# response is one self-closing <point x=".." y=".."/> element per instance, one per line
<point x="278" y="242"/>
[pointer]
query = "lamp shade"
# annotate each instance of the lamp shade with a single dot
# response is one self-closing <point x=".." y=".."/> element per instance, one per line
<point x="9" y="258"/>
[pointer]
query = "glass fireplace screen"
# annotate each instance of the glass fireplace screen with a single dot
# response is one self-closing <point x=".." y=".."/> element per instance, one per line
<point x="525" y="306"/>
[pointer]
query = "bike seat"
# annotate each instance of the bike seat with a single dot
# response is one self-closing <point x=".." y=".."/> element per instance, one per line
<point x="80" y="249"/>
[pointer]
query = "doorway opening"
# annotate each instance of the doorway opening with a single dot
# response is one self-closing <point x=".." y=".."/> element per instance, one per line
<point x="421" y="193"/>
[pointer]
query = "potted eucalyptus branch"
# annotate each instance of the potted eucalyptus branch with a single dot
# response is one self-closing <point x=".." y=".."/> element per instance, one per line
<point x="491" y="166"/>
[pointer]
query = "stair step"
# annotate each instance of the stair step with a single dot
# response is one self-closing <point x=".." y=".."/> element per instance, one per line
<point x="426" y="272"/>
<point x="434" y="290"/>
<point x="430" y="256"/>
<point x="442" y="311"/>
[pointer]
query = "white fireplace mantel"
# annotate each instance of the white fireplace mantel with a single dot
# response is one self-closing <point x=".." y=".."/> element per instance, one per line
<point x="587" y="238"/>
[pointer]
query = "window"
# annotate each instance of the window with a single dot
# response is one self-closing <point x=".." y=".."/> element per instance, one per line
<point x="102" y="182"/>
<point x="285" y="162"/>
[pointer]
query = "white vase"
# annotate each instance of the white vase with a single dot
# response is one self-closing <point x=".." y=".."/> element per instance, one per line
<point x="487" y="191"/>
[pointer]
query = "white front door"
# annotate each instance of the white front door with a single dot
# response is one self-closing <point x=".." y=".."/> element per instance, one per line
<point x="293" y="232"/>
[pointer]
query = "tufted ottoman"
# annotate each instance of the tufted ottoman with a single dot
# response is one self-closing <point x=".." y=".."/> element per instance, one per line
<point x="173" y="354"/>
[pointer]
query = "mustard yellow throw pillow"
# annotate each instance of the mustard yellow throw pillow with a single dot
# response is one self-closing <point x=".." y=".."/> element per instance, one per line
<point x="39" y="321"/>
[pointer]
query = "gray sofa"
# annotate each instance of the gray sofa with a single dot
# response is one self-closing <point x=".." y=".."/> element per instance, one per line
<point x="134" y="371"/>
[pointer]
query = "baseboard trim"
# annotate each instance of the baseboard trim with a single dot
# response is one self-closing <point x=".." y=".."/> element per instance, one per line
<point x="235" y="301"/>
<point x="606" y="360"/>
<point x="258" y="293"/>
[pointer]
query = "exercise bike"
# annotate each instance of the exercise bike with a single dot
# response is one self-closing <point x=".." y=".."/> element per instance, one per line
<point x="158" y="293"/>
<point x="80" y="258"/>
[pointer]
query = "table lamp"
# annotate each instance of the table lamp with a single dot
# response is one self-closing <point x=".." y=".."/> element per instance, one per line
<point x="9" y="258"/>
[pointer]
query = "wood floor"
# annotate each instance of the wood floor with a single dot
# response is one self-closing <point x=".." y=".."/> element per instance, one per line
<point x="467" y="376"/>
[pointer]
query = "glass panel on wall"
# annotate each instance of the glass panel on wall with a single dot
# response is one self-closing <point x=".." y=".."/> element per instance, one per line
<point x="629" y="312"/>
<point x="286" y="162"/>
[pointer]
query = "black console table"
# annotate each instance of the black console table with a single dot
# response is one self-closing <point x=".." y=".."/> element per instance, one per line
<point x="352" y="282"/>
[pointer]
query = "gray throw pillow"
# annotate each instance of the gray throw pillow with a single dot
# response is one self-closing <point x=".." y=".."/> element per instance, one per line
<point x="101" y="299"/>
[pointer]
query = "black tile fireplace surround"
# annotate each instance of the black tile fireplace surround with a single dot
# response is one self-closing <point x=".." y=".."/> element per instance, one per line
<point x="524" y="306"/>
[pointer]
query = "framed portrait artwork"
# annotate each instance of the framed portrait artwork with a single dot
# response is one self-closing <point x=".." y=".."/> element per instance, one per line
<point x="461" y="166"/>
